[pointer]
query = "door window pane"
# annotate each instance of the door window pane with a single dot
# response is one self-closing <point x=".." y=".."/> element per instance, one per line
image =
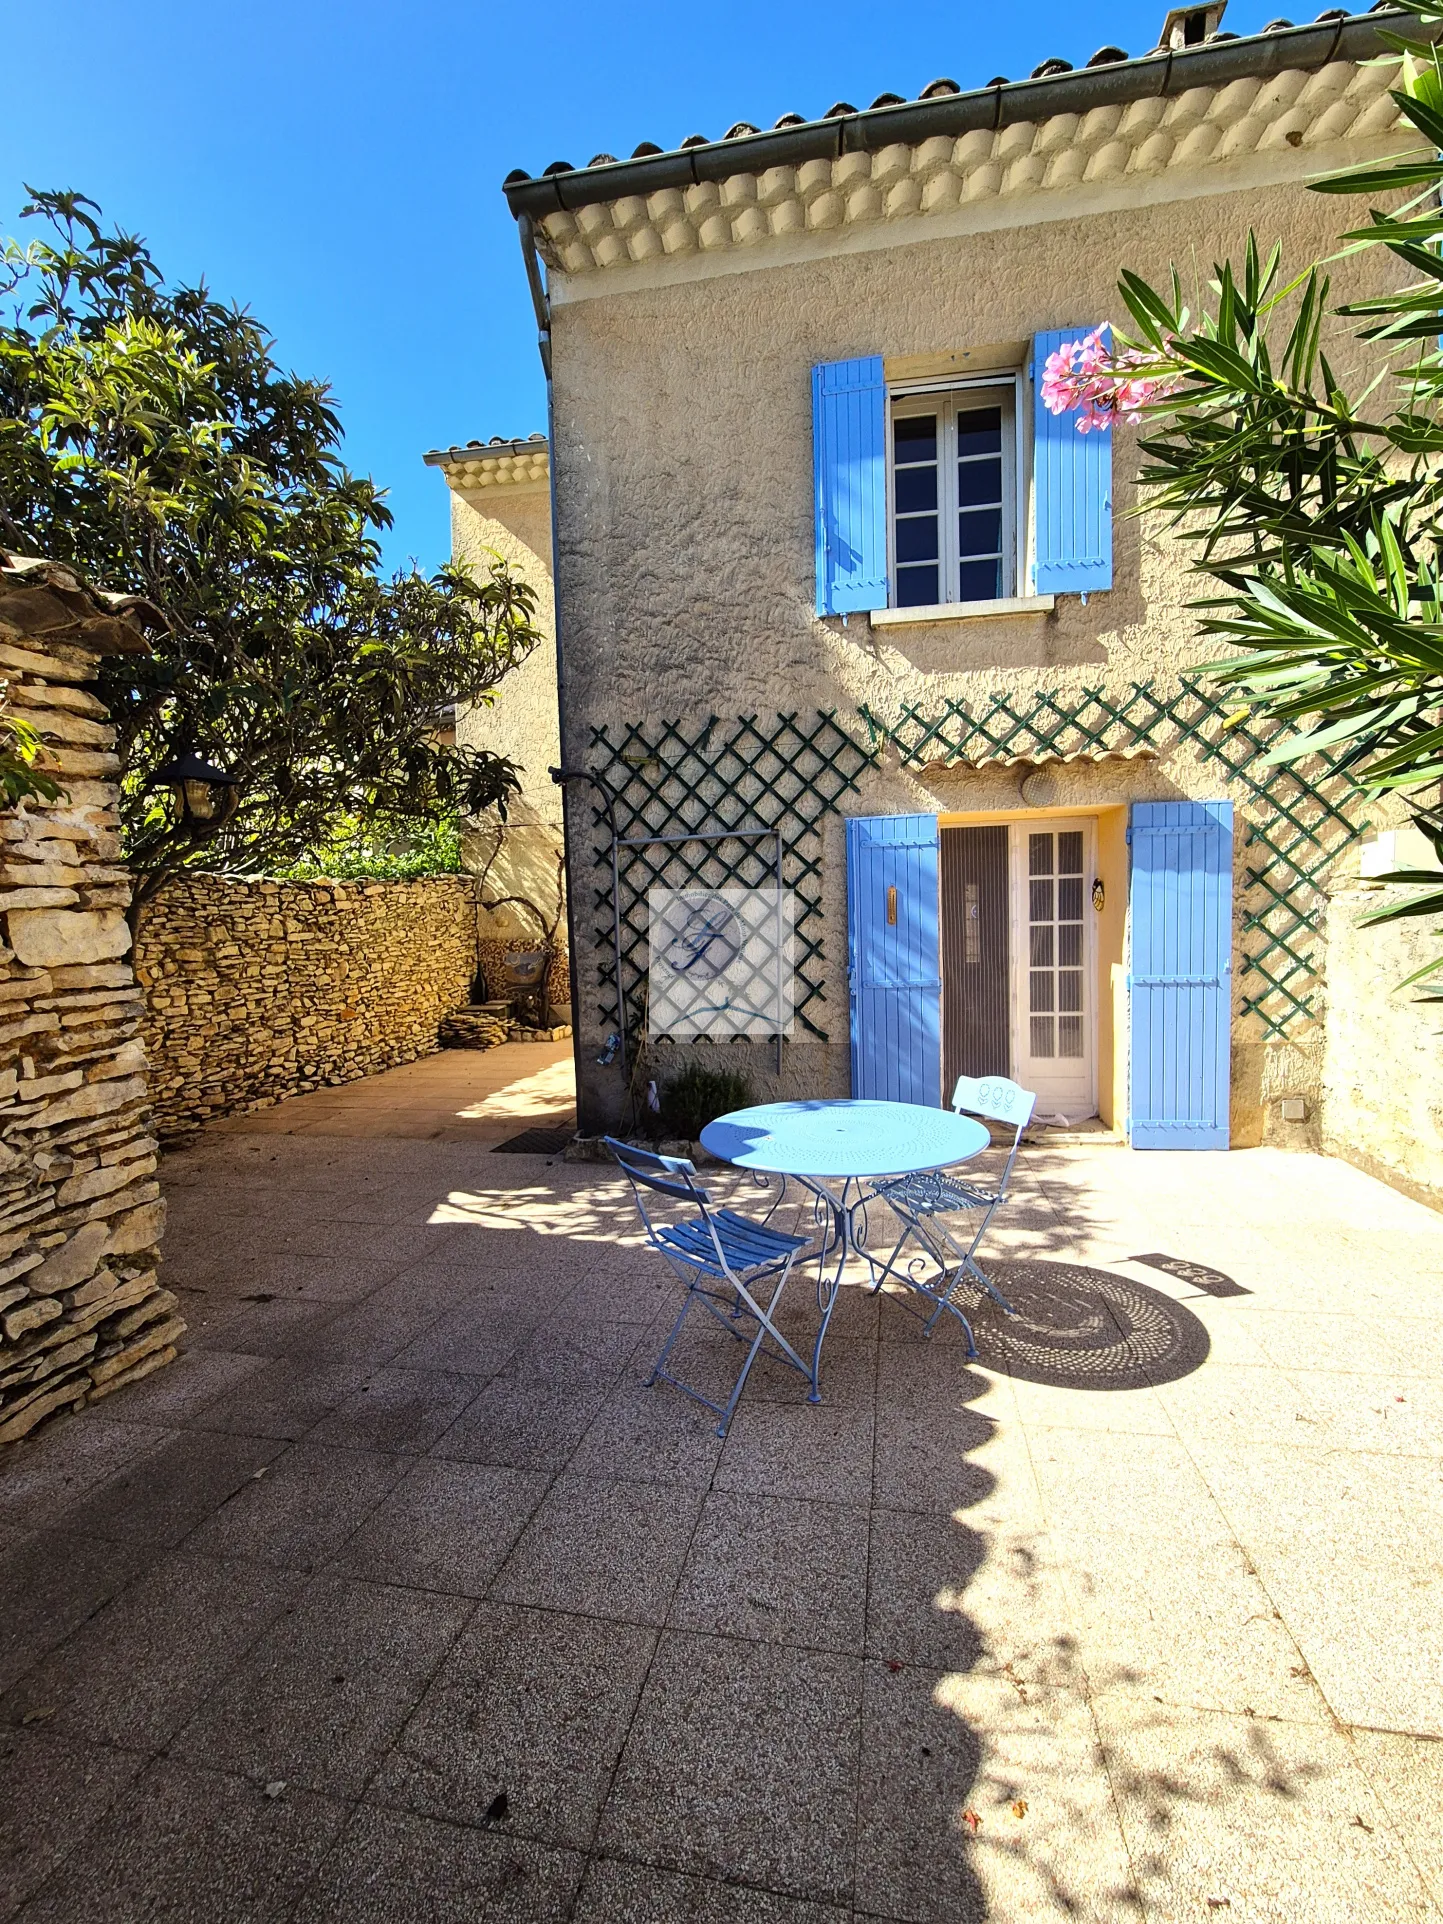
<point x="914" y="438"/>
<point x="916" y="490"/>
<point x="1039" y="901"/>
<point x="917" y="588"/>
<point x="1069" y="1036"/>
<point x="1039" y="855"/>
<point x="1041" y="1035"/>
<point x="1069" y="852"/>
<point x="916" y="538"/>
<point x="979" y="432"/>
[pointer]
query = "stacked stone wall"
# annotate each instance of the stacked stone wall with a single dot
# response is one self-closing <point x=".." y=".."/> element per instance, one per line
<point x="82" y="1310"/>
<point x="258" y="989"/>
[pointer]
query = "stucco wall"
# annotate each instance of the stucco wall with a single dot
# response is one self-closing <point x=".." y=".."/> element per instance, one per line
<point x="1381" y="1087"/>
<point x="258" y="989"/>
<point x="683" y="464"/>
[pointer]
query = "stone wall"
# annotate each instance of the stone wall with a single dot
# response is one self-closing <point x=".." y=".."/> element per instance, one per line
<point x="1382" y="1083"/>
<point x="259" y="989"/>
<point x="81" y="1306"/>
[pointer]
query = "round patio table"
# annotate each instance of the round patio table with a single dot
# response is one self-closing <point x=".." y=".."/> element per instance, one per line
<point x="846" y="1143"/>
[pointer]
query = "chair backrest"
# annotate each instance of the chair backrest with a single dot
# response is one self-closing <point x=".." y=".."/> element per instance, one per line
<point x="994" y="1097"/>
<point x="673" y="1176"/>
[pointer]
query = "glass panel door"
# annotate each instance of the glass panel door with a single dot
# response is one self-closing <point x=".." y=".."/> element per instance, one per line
<point x="1052" y="907"/>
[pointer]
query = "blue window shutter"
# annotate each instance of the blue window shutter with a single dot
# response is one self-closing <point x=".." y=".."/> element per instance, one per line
<point x="895" y="967"/>
<point x="849" y="460"/>
<point x="1181" y="912"/>
<point x="1071" y="490"/>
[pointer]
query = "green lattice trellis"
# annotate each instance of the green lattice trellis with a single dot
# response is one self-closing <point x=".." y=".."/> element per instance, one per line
<point x="1299" y="817"/>
<point x="666" y="781"/>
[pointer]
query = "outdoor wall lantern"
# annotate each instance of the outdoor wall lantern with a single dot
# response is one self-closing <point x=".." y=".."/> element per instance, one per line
<point x="199" y="787"/>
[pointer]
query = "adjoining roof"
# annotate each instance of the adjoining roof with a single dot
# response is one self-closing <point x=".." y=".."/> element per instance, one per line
<point x="1110" y="79"/>
<point x="494" y="463"/>
<point x="55" y="603"/>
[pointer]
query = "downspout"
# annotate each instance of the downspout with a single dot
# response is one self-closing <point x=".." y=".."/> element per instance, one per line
<point x="542" y="308"/>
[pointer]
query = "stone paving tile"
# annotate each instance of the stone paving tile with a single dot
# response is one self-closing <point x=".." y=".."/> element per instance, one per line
<point x="390" y="1867"/>
<point x="640" y="1436"/>
<point x="188" y="1844"/>
<point x="398" y="1410"/>
<point x="1395" y="1415"/>
<point x="54" y="1467"/>
<point x="742" y="1764"/>
<point x="321" y="1696"/>
<point x="617" y="1893"/>
<point x="1363" y="1345"/>
<point x="605" y="1548"/>
<point x="1223" y="1405"/>
<point x="1025" y="1763"/>
<point x="132" y="1673"/>
<point x="303" y="1509"/>
<point x="284" y="1400"/>
<point x="1143" y="1487"/>
<point x="52" y="1581"/>
<point x="820" y="1452"/>
<point x="52" y="1790"/>
<point x="448" y="1526"/>
<point x="593" y="1356"/>
<point x="164" y="1495"/>
<point x="777" y="1570"/>
<point x="523" y="1425"/>
<point x="472" y="1339"/>
<point x="261" y="1327"/>
<point x="1406" y="1774"/>
<point x="1275" y="1818"/>
<point x="197" y="1378"/>
<point x="534" y="1704"/>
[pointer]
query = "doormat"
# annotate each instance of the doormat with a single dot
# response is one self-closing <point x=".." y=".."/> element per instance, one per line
<point x="536" y="1142"/>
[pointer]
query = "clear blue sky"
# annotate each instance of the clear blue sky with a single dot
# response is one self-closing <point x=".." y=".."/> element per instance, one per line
<point x="338" y="168"/>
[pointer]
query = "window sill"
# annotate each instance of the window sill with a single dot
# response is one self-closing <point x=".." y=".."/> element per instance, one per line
<point x="963" y="611"/>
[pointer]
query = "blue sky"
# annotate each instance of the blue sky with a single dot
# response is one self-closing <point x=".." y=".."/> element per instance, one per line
<point x="337" y="168"/>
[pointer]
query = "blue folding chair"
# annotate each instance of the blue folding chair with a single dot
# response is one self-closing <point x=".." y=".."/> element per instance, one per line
<point x="924" y="1203"/>
<point x="723" y="1258"/>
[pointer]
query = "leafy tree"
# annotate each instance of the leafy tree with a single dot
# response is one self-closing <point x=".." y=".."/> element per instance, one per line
<point x="149" y="438"/>
<point x="1314" y="510"/>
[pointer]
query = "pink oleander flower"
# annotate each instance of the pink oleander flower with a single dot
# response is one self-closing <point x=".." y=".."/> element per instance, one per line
<point x="1089" y="376"/>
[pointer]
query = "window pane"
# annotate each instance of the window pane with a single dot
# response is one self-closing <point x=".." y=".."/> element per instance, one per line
<point x="1069" y="989"/>
<point x="917" y="538"/>
<point x="916" y="489"/>
<point x="1069" y="1035"/>
<point x="1041" y="940"/>
<point x="914" y="438"/>
<point x="1042" y="1034"/>
<point x="1039" y="858"/>
<point x="1069" y="899"/>
<point x="979" y="431"/>
<point x="917" y="587"/>
<point x="979" y="483"/>
<point x="1069" y="852"/>
<point x="1069" y="946"/>
<point x="980" y="532"/>
<point x="980" y="581"/>
<point x="1040" y="993"/>
<point x="1040" y="903"/>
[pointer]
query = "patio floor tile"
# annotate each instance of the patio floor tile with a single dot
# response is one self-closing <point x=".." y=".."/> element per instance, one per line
<point x="389" y="1867"/>
<point x="617" y="1893"/>
<point x="1275" y="1818"/>
<point x="132" y="1673"/>
<point x="398" y="1411"/>
<point x="447" y="1526"/>
<point x="742" y="1764"/>
<point x="196" y="1379"/>
<point x="50" y="1583"/>
<point x="522" y="1425"/>
<point x="186" y="1844"/>
<point x="51" y="1470"/>
<point x="1025" y="1763"/>
<point x="264" y="1326"/>
<point x="778" y="1570"/>
<point x="163" y="1497"/>
<point x="320" y="1697"/>
<point x="302" y="1509"/>
<point x="821" y="1452"/>
<point x="285" y="1400"/>
<point x="639" y="1436"/>
<point x="1143" y="1487"/>
<point x="1406" y="1774"/>
<point x="52" y="1790"/>
<point x="530" y="1704"/>
<point x="604" y="1548"/>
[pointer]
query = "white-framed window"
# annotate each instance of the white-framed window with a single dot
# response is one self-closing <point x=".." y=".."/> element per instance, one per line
<point x="955" y="525"/>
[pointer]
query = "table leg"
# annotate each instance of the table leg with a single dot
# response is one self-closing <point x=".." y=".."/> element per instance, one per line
<point x="843" y="1210"/>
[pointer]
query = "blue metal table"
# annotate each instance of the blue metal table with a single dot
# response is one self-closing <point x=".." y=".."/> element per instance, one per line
<point x="846" y="1143"/>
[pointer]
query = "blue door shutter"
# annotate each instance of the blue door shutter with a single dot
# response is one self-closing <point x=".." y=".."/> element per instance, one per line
<point x="1071" y="490"/>
<point x="849" y="460"/>
<point x="1181" y="906"/>
<point x="895" y="959"/>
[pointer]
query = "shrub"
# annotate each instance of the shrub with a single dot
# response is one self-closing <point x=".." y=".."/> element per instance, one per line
<point x="697" y="1095"/>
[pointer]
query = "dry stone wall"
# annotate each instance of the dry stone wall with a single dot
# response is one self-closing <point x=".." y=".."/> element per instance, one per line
<point x="258" y="989"/>
<point x="82" y="1310"/>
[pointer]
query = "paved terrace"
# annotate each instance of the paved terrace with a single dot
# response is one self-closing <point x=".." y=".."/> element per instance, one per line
<point x="400" y="1598"/>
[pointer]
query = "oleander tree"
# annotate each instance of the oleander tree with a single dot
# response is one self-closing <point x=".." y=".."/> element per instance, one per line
<point x="149" y="438"/>
<point x="1312" y="507"/>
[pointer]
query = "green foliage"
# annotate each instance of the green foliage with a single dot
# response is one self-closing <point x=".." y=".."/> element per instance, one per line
<point x="149" y="438"/>
<point x="368" y="852"/>
<point x="20" y="780"/>
<point x="697" y="1095"/>
<point x="1316" y="512"/>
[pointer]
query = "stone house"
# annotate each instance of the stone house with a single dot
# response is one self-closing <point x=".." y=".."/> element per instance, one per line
<point x="826" y="568"/>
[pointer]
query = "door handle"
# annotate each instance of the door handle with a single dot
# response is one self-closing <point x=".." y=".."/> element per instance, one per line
<point x="891" y="908"/>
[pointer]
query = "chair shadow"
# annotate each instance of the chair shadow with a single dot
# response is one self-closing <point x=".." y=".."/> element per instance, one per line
<point x="1081" y="1328"/>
